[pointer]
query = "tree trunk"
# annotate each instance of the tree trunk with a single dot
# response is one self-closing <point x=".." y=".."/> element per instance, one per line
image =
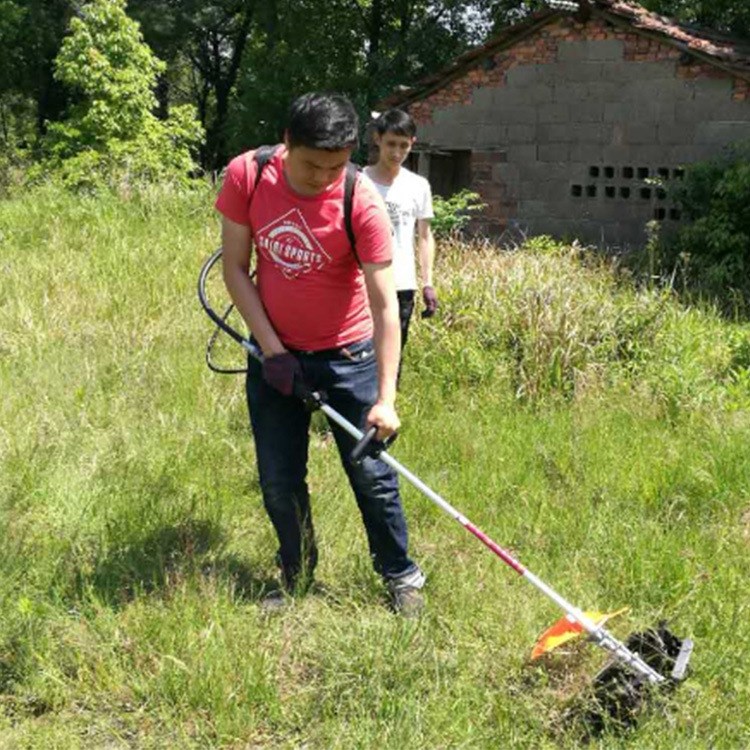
<point x="374" y="35"/>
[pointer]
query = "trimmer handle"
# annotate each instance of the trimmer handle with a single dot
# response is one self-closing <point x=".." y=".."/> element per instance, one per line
<point x="311" y="399"/>
<point x="368" y="446"/>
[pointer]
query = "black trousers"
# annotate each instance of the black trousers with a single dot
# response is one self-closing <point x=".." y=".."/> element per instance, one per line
<point x="405" y="311"/>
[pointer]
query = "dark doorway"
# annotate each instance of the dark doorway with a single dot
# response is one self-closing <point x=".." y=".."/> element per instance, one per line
<point x="450" y="171"/>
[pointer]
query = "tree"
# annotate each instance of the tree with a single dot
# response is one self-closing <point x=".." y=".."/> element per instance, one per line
<point x="368" y="48"/>
<point x="203" y="42"/>
<point x="110" y="133"/>
<point x="242" y="61"/>
<point x="407" y="39"/>
<point x="730" y="16"/>
<point x="284" y="57"/>
<point x="30" y="35"/>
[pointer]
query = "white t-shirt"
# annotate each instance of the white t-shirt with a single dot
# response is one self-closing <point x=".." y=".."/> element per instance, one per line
<point x="407" y="199"/>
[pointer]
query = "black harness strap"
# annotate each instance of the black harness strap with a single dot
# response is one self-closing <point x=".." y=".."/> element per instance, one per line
<point x="262" y="155"/>
<point x="350" y="182"/>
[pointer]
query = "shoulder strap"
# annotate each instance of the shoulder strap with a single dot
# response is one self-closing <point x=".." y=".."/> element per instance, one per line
<point x="261" y="157"/>
<point x="349" y="183"/>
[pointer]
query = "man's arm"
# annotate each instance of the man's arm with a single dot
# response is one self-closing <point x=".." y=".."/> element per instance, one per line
<point x="236" y="240"/>
<point x="425" y="250"/>
<point x="381" y="290"/>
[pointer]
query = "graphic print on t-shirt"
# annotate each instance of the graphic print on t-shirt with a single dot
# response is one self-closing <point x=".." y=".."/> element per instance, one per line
<point x="290" y="245"/>
<point x="398" y="214"/>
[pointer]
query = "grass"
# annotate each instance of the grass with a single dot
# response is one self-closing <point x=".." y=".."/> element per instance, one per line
<point x="598" y="430"/>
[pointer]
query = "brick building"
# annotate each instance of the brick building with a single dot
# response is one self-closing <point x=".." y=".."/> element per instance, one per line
<point x="573" y="123"/>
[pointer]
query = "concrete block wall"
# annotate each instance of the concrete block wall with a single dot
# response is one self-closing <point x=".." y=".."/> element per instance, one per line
<point x="569" y="126"/>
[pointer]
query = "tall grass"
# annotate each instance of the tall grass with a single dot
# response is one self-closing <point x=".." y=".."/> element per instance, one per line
<point x="597" y="430"/>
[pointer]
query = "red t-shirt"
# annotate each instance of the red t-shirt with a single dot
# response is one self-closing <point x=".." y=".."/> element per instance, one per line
<point x="308" y="278"/>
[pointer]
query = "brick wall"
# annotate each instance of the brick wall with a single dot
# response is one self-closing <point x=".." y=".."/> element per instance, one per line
<point x="570" y="127"/>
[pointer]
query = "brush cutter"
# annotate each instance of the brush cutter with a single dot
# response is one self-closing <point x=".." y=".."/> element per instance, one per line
<point x="653" y="658"/>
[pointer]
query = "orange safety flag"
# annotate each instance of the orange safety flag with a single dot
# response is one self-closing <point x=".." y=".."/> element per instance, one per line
<point x="566" y="628"/>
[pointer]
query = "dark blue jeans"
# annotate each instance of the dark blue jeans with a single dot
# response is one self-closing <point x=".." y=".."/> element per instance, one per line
<point x="348" y="377"/>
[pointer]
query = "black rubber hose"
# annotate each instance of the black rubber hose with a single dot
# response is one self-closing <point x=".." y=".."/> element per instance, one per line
<point x="220" y="322"/>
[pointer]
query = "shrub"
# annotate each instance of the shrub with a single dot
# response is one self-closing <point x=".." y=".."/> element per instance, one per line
<point x="715" y="245"/>
<point x="452" y="214"/>
<point x="13" y="161"/>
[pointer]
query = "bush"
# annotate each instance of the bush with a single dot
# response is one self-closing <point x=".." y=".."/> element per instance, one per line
<point x="159" y="153"/>
<point x="715" y="246"/>
<point x="452" y="214"/>
<point x="13" y="163"/>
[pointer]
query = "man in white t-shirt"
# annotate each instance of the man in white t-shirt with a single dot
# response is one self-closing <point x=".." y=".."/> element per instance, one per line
<point x="408" y="199"/>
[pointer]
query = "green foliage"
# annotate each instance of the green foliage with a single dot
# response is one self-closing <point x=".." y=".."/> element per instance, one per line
<point x="241" y="62"/>
<point x="454" y="213"/>
<point x="284" y="59"/>
<point x="11" y="23"/>
<point x="16" y="137"/>
<point x="368" y="49"/>
<point x="715" y="245"/>
<point x="731" y="16"/>
<point x="31" y="32"/>
<point x="110" y="135"/>
<point x="24" y="42"/>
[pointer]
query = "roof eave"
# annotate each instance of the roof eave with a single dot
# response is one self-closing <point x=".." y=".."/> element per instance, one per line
<point x="469" y="60"/>
<point x="735" y="69"/>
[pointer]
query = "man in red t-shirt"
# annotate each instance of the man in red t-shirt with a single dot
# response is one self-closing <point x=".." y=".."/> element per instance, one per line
<point x="319" y="318"/>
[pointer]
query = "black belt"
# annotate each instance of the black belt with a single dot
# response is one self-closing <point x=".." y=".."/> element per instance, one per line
<point x="336" y="352"/>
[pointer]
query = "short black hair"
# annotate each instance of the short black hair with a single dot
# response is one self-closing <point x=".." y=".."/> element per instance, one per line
<point x="324" y="121"/>
<point x="396" y="121"/>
